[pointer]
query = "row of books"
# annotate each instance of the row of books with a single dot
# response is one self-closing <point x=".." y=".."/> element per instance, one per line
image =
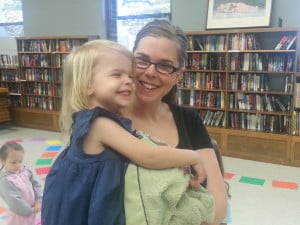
<point x="240" y="41"/>
<point x="58" y="45"/>
<point x="243" y="42"/>
<point x="248" y="82"/>
<point x="258" y="82"/>
<point x="205" y="81"/>
<point x="9" y="75"/>
<point x="249" y="121"/>
<point x="199" y="61"/>
<point x="7" y="60"/>
<point x="207" y="43"/>
<point x="260" y="122"/>
<point x="39" y="89"/>
<point x="59" y="59"/>
<point x="213" y="118"/>
<point x="286" y="42"/>
<point x="13" y="88"/>
<point x="41" y="102"/>
<point x="35" y="46"/>
<point x="261" y="62"/>
<point x="271" y="103"/>
<point x="15" y="101"/>
<point x="201" y="99"/>
<point x="36" y="60"/>
<point x="38" y="74"/>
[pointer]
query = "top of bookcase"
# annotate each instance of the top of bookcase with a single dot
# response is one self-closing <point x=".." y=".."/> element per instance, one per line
<point x="245" y="30"/>
<point x="58" y="37"/>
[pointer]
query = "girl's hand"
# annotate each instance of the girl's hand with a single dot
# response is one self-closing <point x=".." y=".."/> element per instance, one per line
<point x="37" y="207"/>
<point x="199" y="176"/>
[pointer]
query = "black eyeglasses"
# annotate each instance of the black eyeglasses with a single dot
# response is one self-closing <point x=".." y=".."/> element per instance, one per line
<point x="162" y="68"/>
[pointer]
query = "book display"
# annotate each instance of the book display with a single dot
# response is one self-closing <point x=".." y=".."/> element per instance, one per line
<point x="40" y="79"/>
<point x="244" y="85"/>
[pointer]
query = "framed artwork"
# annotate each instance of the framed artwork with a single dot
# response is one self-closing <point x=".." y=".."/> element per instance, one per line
<point x="222" y="14"/>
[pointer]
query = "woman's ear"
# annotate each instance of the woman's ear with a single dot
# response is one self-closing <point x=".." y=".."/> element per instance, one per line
<point x="179" y="74"/>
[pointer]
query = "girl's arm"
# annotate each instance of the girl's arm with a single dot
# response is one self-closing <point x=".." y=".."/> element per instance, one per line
<point x="215" y="183"/>
<point x="109" y="133"/>
<point x="13" y="198"/>
<point x="37" y="187"/>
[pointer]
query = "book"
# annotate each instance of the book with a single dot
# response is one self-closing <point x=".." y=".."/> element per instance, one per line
<point x="290" y="42"/>
<point x="281" y="42"/>
<point x="279" y="103"/>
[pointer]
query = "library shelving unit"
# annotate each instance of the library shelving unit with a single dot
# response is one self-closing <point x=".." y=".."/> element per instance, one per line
<point x="242" y="82"/>
<point x="9" y="77"/>
<point x="4" y="111"/>
<point x="40" y="68"/>
<point x="295" y="151"/>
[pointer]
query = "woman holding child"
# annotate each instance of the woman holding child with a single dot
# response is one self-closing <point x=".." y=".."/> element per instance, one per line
<point x="160" y="52"/>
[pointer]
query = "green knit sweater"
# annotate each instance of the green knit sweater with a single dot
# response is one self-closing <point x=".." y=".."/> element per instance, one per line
<point x="164" y="197"/>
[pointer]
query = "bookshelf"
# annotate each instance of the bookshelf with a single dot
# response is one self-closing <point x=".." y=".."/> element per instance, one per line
<point x="295" y="151"/>
<point x="4" y="112"/>
<point x="9" y="77"/>
<point x="243" y="84"/>
<point x="40" y="79"/>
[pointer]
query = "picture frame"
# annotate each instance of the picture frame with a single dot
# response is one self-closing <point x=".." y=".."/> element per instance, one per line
<point x="223" y="14"/>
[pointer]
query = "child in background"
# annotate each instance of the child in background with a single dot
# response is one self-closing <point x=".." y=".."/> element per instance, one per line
<point x="18" y="187"/>
<point x="86" y="182"/>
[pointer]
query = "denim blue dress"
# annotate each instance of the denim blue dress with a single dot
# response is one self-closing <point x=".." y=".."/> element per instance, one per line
<point x="86" y="189"/>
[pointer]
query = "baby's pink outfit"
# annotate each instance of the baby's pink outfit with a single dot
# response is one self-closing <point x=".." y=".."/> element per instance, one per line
<point x="22" y="182"/>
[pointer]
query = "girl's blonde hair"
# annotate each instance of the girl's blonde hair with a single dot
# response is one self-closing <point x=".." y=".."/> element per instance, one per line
<point x="78" y="74"/>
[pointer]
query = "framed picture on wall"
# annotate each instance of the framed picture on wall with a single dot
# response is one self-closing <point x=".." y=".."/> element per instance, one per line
<point x="222" y="14"/>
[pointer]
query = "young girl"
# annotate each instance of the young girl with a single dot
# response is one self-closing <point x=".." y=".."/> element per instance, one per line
<point x="86" y="182"/>
<point x="18" y="188"/>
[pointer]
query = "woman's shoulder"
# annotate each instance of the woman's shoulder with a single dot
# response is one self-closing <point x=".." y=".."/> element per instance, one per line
<point x="183" y="112"/>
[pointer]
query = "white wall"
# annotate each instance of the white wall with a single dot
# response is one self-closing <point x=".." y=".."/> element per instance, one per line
<point x="76" y="17"/>
<point x="8" y="46"/>
<point x="190" y="15"/>
<point x="63" y="17"/>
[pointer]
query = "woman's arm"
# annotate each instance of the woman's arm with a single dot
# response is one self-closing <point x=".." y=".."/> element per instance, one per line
<point x="109" y="133"/>
<point x="215" y="183"/>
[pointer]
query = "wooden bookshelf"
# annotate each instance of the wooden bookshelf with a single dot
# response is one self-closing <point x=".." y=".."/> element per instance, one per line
<point x="40" y="68"/>
<point x="4" y="112"/>
<point x="242" y="82"/>
<point x="295" y="150"/>
<point x="10" y="78"/>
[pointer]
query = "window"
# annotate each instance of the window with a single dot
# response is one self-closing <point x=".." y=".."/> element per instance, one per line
<point x="11" y="18"/>
<point x="126" y="17"/>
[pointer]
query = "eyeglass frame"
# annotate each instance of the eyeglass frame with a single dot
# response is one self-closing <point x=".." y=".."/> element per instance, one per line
<point x="174" y="69"/>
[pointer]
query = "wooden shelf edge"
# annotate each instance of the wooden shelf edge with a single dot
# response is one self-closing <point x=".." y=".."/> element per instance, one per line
<point x="33" y="110"/>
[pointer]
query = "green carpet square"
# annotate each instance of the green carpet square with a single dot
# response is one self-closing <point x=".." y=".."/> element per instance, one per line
<point x="251" y="180"/>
